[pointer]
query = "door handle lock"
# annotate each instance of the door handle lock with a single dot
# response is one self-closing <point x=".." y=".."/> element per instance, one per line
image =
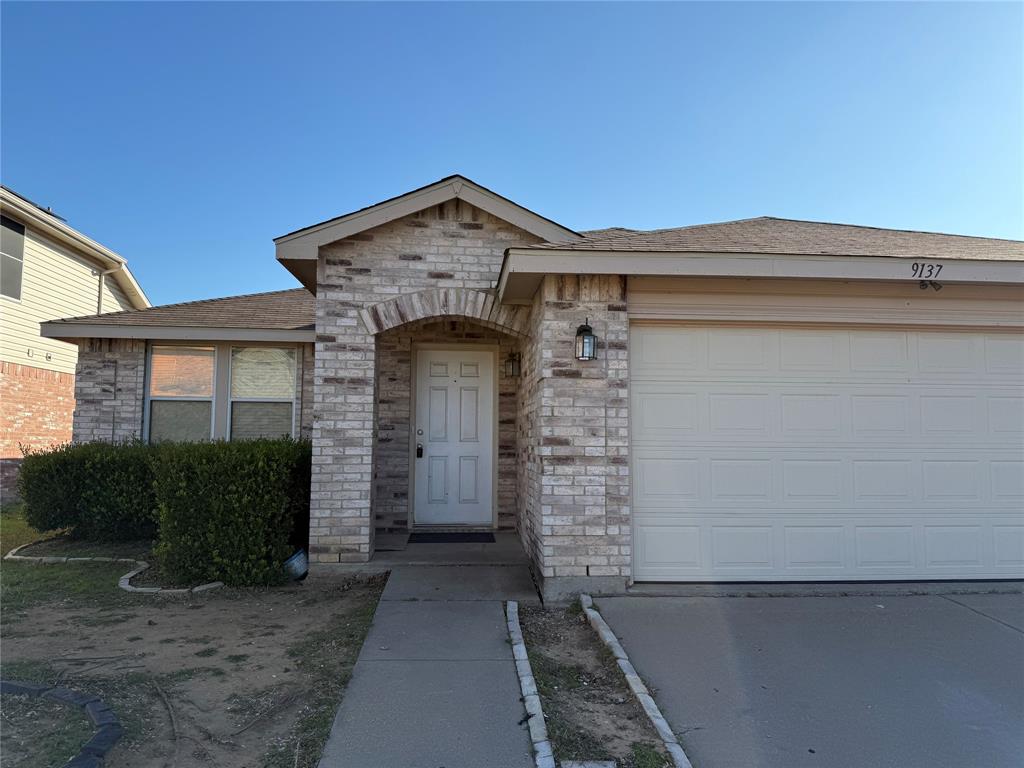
<point x="419" y="450"/>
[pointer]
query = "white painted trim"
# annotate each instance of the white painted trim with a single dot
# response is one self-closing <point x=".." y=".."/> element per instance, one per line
<point x="33" y="218"/>
<point x="70" y="331"/>
<point x="305" y="243"/>
<point x="523" y="268"/>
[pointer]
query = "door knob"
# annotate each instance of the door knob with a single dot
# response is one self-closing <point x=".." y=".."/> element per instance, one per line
<point x="419" y="450"/>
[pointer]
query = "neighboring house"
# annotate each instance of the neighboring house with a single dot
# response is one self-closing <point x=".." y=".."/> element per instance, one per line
<point x="47" y="270"/>
<point x="768" y="399"/>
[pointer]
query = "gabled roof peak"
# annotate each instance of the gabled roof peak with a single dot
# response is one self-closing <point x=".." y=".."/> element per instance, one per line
<point x="298" y="250"/>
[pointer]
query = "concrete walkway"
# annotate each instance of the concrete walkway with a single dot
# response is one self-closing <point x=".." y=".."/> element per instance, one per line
<point x="435" y="684"/>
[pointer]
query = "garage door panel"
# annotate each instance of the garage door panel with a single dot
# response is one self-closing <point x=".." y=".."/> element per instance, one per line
<point x="801" y="414"/>
<point x="1009" y="547"/>
<point x="902" y="460"/>
<point x="760" y="547"/>
<point x="833" y="481"/>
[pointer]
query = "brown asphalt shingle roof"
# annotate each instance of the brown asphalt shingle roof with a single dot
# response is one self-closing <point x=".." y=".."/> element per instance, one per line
<point x="789" y="236"/>
<point x="290" y="310"/>
<point x="295" y="309"/>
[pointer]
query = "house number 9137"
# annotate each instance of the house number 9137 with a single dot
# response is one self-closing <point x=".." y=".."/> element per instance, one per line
<point x="925" y="271"/>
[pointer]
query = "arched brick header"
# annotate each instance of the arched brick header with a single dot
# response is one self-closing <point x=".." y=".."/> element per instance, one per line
<point x="446" y="302"/>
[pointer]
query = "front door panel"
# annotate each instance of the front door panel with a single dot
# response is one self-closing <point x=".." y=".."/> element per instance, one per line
<point x="455" y="428"/>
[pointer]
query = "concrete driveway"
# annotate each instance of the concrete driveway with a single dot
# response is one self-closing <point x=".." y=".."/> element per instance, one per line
<point x="866" y="682"/>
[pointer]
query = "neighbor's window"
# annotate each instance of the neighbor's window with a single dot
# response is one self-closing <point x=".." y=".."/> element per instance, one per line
<point x="181" y="393"/>
<point x="262" y="392"/>
<point x="12" y="257"/>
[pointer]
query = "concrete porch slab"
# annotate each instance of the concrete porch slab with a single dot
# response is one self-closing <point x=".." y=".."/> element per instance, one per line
<point x="504" y="550"/>
<point x="461" y="582"/>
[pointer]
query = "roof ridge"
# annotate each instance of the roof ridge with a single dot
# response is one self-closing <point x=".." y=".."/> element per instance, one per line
<point x="180" y="304"/>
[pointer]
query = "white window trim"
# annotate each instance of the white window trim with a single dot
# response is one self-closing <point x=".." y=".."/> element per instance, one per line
<point x="221" y="399"/>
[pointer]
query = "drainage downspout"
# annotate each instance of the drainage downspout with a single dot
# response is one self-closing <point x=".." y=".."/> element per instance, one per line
<point x="99" y="287"/>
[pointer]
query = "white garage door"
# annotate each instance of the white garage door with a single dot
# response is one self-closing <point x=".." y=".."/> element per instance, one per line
<point x="769" y="453"/>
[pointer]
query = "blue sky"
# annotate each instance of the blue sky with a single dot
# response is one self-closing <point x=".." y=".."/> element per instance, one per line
<point x="187" y="136"/>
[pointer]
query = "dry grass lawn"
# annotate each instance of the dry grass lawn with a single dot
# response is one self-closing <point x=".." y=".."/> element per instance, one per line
<point x="229" y="678"/>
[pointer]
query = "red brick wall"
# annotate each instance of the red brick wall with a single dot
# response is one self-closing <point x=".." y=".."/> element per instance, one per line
<point x="36" y="408"/>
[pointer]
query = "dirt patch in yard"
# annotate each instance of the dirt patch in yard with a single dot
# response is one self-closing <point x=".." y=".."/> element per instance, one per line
<point x="229" y="678"/>
<point x="591" y="713"/>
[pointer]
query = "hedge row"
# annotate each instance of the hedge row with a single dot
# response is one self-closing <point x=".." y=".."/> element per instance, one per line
<point x="98" y="491"/>
<point x="220" y="511"/>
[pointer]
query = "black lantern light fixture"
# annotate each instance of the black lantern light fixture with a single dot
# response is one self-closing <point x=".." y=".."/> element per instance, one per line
<point x="513" y="365"/>
<point x="586" y="342"/>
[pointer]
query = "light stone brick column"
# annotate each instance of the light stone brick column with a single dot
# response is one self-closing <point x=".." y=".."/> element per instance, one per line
<point x="441" y="262"/>
<point x="586" y="532"/>
<point x="340" y="527"/>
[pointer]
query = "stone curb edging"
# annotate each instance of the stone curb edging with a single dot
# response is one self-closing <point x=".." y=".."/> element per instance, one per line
<point x="672" y="745"/>
<point x="543" y="756"/>
<point x="123" y="583"/>
<point x="108" y="730"/>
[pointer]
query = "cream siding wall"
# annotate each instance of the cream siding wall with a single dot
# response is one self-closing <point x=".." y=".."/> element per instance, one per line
<point x="55" y="283"/>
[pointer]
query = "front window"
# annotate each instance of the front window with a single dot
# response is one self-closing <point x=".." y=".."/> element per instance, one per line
<point x="220" y="391"/>
<point x="262" y="392"/>
<point x="181" y="385"/>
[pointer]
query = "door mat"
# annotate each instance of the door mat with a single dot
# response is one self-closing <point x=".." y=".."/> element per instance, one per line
<point x="453" y="537"/>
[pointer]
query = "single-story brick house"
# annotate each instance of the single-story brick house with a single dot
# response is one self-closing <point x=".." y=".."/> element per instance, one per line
<point x="766" y="399"/>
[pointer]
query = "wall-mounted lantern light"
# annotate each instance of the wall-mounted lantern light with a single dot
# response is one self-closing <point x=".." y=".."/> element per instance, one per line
<point x="513" y="365"/>
<point x="586" y="342"/>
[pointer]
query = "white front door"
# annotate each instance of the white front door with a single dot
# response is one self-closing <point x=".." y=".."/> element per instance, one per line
<point x="453" y="437"/>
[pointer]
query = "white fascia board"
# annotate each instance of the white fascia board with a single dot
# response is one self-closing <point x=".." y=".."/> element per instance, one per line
<point x="523" y="266"/>
<point x="305" y="243"/>
<point x="52" y="227"/>
<point x="70" y="331"/>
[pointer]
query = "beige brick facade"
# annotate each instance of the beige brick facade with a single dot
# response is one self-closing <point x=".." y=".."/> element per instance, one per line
<point x="440" y="262"/>
<point x="563" y="444"/>
<point x="109" y="390"/>
<point x="428" y="278"/>
<point x="583" y="420"/>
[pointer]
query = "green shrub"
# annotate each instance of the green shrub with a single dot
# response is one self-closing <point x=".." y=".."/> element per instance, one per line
<point x="227" y="511"/>
<point x="98" y="491"/>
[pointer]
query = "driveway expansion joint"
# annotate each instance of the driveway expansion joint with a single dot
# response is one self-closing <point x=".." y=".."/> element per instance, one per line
<point x="636" y="685"/>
